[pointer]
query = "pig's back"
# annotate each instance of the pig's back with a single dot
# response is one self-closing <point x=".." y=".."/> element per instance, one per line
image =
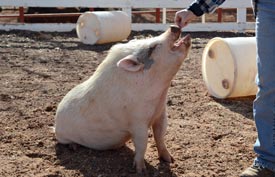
<point x="82" y="117"/>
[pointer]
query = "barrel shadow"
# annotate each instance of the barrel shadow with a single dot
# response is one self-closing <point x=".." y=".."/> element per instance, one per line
<point x="241" y="105"/>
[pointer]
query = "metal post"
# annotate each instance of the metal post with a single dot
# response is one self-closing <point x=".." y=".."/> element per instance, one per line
<point x="157" y="15"/>
<point x="21" y="15"/>
<point x="219" y="15"/>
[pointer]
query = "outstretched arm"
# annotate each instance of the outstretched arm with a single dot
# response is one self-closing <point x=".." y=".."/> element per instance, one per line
<point x="197" y="8"/>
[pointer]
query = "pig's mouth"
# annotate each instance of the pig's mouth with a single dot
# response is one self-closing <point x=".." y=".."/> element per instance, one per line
<point x="181" y="42"/>
<point x="178" y="43"/>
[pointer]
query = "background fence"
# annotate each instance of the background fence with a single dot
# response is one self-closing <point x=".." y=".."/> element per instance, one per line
<point x="241" y="6"/>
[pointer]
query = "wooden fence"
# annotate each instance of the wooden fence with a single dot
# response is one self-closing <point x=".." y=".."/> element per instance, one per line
<point x="240" y="25"/>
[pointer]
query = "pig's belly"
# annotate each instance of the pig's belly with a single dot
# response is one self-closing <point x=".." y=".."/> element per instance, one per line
<point x="95" y="136"/>
<point x="103" y="140"/>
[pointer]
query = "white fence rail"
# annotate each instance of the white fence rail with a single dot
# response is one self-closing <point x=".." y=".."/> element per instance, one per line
<point x="127" y="5"/>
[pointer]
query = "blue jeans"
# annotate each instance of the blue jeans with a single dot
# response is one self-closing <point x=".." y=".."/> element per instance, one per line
<point x="264" y="104"/>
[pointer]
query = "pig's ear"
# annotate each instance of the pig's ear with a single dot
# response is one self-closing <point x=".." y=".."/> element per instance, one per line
<point x="130" y="63"/>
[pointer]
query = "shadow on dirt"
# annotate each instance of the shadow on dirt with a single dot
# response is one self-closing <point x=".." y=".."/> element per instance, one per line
<point x="106" y="163"/>
<point x="241" y="105"/>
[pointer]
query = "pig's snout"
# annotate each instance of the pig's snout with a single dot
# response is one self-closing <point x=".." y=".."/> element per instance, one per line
<point x="174" y="32"/>
<point x="175" y="29"/>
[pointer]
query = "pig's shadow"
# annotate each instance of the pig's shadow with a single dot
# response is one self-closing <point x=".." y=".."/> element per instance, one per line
<point x="105" y="163"/>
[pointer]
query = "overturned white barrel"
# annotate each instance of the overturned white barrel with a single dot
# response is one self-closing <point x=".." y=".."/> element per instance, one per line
<point x="229" y="67"/>
<point x="103" y="27"/>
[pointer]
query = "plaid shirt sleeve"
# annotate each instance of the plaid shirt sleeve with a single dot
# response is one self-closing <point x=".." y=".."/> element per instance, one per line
<point x="199" y="7"/>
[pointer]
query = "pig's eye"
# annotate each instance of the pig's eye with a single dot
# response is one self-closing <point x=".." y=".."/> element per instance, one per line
<point x="151" y="49"/>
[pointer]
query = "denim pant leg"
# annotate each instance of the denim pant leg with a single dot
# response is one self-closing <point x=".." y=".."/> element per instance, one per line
<point x="264" y="104"/>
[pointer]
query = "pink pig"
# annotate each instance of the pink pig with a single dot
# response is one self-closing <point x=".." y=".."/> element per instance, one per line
<point x="124" y="97"/>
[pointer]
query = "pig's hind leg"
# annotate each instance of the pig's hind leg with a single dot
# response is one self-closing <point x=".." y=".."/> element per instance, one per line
<point x="159" y="129"/>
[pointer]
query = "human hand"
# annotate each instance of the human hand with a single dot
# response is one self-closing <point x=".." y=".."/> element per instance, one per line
<point x="183" y="17"/>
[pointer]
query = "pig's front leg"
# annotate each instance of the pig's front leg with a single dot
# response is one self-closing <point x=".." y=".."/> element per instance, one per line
<point x="140" y="138"/>
<point x="159" y="129"/>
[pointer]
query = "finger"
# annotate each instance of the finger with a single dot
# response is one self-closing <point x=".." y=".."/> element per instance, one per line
<point x="178" y="22"/>
<point x="177" y="18"/>
<point x="182" y="24"/>
<point x="185" y="23"/>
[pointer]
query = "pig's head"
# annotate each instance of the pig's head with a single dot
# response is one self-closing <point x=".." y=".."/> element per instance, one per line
<point x="158" y="57"/>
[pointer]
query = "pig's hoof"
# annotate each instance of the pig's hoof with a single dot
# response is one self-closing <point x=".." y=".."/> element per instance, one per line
<point x="141" y="170"/>
<point x="140" y="167"/>
<point x="166" y="157"/>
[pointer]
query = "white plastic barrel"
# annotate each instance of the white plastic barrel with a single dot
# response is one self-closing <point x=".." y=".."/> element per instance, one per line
<point x="229" y="67"/>
<point x="103" y="26"/>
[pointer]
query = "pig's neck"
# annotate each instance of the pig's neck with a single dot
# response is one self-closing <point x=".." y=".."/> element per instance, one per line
<point x="139" y="85"/>
<point x="149" y="88"/>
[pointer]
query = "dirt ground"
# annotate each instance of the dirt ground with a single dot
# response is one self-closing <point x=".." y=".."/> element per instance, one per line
<point x="207" y="137"/>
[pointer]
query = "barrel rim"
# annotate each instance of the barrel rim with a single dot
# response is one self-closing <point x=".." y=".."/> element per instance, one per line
<point x="92" y="15"/>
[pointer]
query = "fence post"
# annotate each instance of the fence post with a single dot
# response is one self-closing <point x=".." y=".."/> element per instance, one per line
<point x="21" y="15"/>
<point x="219" y="10"/>
<point x="128" y="10"/>
<point x="203" y="18"/>
<point x="241" y="15"/>
<point x="164" y="16"/>
<point x="241" y="18"/>
<point x="157" y="15"/>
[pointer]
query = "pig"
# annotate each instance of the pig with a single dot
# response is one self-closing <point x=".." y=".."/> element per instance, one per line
<point x="125" y="97"/>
